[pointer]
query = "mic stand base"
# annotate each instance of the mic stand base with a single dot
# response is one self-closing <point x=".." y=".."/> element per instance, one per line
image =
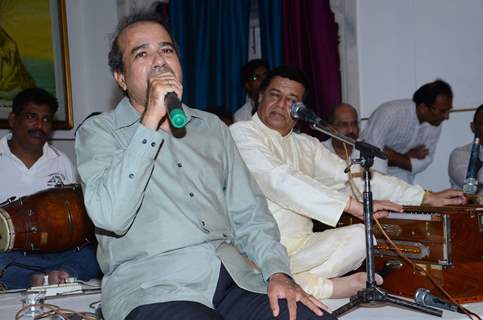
<point x="373" y="295"/>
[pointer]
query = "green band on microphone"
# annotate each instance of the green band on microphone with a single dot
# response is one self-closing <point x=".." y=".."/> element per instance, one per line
<point x="177" y="118"/>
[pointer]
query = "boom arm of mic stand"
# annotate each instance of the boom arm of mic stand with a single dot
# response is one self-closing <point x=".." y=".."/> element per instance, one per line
<point x="324" y="129"/>
<point x="365" y="149"/>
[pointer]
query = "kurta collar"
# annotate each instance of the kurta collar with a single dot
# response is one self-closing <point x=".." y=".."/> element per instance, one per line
<point x="269" y="131"/>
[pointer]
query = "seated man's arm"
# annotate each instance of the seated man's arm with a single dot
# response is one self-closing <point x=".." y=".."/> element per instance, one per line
<point x="286" y="186"/>
<point x="114" y="175"/>
<point x="255" y="230"/>
<point x="393" y="189"/>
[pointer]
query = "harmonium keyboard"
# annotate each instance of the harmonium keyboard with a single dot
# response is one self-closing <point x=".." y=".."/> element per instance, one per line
<point x="446" y="242"/>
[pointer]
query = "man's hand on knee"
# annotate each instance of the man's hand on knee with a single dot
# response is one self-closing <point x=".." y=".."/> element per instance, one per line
<point x="281" y="286"/>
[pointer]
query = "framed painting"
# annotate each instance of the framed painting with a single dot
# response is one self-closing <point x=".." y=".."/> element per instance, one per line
<point x="34" y="53"/>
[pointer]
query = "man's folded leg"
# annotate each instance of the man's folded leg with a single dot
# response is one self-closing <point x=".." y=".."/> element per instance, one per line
<point x="174" y="310"/>
<point x="234" y="303"/>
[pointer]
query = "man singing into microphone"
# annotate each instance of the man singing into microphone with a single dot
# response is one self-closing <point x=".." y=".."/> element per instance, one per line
<point x="302" y="180"/>
<point x="176" y="213"/>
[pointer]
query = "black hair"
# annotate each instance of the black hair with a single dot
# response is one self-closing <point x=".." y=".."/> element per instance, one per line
<point x="248" y="70"/>
<point x="115" y="54"/>
<point x="288" y="72"/>
<point x="428" y="93"/>
<point x="476" y="113"/>
<point x="37" y="96"/>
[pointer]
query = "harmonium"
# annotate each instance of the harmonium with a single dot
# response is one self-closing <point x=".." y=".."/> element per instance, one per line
<point x="446" y="242"/>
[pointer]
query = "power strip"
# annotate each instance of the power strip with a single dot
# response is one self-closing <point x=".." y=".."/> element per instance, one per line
<point x="57" y="289"/>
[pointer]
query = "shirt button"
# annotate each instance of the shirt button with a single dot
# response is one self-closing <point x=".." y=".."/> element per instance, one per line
<point x="131" y="175"/>
<point x="180" y="165"/>
<point x="144" y="141"/>
<point x="153" y="144"/>
<point x="192" y="194"/>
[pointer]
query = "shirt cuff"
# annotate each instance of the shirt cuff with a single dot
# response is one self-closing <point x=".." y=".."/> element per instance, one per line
<point x="274" y="267"/>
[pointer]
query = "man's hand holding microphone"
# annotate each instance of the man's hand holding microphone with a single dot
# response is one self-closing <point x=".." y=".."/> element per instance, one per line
<point x="163" y="103"/>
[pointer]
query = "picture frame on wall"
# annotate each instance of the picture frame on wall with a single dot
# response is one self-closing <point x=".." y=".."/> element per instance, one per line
<point x="34" y="53"/>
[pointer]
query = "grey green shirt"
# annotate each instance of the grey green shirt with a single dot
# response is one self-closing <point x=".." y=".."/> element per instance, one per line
<point x="169" y="209"/>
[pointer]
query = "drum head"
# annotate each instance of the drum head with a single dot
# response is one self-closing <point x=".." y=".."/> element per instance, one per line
<point x="7" y="231"/>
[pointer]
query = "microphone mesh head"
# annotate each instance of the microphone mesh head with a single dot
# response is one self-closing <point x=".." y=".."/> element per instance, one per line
<point x="420" y="295"/>
<point x="296" y="108"/>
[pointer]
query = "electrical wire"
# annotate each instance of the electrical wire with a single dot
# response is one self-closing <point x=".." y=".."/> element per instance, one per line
<point x="54" y="311"/>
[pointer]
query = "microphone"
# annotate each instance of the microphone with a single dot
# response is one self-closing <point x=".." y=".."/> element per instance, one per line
<point x="176" y="115"/>
<point x="299" y="111"/>
<point x="425" y="298"/>
<point x="470" y="185"/>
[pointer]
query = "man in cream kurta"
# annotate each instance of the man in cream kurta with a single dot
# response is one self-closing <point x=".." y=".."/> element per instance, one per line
<point x="302" y="181"/>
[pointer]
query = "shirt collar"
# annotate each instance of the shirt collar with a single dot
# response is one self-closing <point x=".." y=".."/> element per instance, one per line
<point x="267" y="130"/>
<point x="47" y="151"/>
<point x="126" y="115"/>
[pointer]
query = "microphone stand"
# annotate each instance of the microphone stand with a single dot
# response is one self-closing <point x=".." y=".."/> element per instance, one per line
<point x="371" y="294"/>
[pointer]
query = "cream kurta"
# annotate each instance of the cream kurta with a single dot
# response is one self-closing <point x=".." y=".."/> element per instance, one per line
<point x="302" y="180"/>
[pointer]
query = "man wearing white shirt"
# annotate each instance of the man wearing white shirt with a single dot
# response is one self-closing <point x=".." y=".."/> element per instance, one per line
<point x="28" y="165"/>
<point x="460" y="157"/>
<point x="52" y="168"/>
<point x="408" y="130"/>
<point x="344" y="119"/>
<point x="302" y="181"/>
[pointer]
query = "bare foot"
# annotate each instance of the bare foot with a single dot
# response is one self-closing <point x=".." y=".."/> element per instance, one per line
<point x="344" y="287"/>
<point x="55" y="277"/>
<point x="37" y="280"/>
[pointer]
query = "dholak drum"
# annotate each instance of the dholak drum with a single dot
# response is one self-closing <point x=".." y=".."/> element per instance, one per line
<point x="47" y="221"/>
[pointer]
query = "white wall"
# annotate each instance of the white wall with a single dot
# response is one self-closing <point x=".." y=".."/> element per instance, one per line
<point x="89" y="23"/>
<point x="402" y="44"/>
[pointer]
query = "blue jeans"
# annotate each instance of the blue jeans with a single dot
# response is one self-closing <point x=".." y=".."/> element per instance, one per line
<point x="80" y="263"/>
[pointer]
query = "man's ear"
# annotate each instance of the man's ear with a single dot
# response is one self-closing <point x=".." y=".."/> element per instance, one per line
<point x="120" y="79"/>
<point x="424" y="106"/>
<point x="11" y="119"/>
